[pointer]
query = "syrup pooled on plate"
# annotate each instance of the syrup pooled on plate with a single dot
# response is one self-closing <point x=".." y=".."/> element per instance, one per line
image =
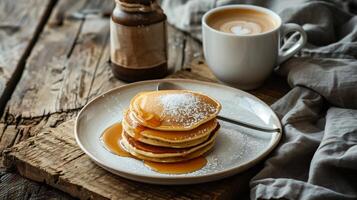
<point x="111" y="140"/>
<point x="178" y="168"/>
<point x="112" y="136"/>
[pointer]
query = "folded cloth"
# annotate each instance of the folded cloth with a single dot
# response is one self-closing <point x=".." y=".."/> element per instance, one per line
<point x="317" y="157"/>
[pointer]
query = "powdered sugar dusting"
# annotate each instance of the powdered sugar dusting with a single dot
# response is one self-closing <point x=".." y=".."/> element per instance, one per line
<point x="185" y="108"/>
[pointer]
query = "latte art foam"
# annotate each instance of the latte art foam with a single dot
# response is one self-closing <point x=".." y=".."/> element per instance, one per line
<point x="240" y="21"/>
<point x="241" y="27"/>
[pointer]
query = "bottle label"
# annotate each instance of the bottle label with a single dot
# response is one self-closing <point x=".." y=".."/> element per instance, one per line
<point x="138" y="47"/>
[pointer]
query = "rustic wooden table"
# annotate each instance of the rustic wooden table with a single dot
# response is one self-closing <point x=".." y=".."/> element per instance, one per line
<point x="54" y="59"/>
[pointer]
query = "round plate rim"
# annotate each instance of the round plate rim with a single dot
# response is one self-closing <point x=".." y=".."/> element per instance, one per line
<point x="196" y="179"/>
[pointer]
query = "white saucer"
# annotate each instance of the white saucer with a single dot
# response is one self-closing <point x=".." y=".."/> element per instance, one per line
<point x="236" y="148"/>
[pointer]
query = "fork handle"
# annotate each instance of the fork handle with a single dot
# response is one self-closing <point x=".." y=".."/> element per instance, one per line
<point x="248" y="125"/>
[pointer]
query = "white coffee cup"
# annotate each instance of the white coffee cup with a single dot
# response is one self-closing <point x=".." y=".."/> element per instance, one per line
<point x="246" y="61"/>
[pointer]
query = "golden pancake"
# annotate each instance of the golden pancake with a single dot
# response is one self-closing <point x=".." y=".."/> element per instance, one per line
<point x="158" y="156"/>
<point x="193" y="155"/>
<point x="163" y="152"/>
<point x="173" y="139"/>
<point x="173" y="110"/>
<point x="158" y="152"/>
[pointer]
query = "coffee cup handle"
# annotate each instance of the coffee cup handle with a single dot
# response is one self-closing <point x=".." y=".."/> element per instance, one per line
<point x="286" y="29"/>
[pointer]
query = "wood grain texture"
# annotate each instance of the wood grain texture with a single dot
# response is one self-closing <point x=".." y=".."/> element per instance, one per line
<point x="53" y="157"/>
<point x="20" y="24"/>
<point x="16" y="130"/>
<point x="59" y="73"/>
<point x="13" y="186"/>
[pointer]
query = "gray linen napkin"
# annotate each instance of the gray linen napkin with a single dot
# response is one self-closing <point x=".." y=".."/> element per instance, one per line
<point x="317" y="157"/>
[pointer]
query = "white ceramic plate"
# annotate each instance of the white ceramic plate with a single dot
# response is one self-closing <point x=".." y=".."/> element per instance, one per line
<point x="236" y="148"/>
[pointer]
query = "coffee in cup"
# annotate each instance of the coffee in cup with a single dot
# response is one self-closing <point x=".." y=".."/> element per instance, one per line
<point x="240" y="21"/>
<point x="241" y="43"/>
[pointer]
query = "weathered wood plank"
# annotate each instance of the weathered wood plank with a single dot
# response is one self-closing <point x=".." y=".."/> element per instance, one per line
<point x="20" y="24"/>
<point x="14" y="131"/>
<point x="68" y="35"/>
<point x="54" y="157"/>
<point x="59" y="72"/>
<point x="13" y="186"/>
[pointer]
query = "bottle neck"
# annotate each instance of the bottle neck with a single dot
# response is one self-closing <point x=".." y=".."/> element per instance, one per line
<point x="136" y="7"/>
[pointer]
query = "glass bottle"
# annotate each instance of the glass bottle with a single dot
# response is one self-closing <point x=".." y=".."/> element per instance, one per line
<point x="138" y="40"/>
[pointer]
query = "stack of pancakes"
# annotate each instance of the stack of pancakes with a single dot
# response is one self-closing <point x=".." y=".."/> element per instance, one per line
<point x="170" y="125"/>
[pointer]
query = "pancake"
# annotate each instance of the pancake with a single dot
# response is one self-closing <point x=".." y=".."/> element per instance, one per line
<point x="165" y="154"/>
<point x="193" y="155"/>
<point x="162" y="152"/>
<point x="173" y="110"/>
<point x="173" y="139"/>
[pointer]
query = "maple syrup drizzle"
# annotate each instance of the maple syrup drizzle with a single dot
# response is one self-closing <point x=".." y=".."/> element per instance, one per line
<point x="111" y="139"/>
<point x="177" y="168"/>
<point x="137" y="130"/>
<point x="155" y="121"/>
<point x="149" y="118"/>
